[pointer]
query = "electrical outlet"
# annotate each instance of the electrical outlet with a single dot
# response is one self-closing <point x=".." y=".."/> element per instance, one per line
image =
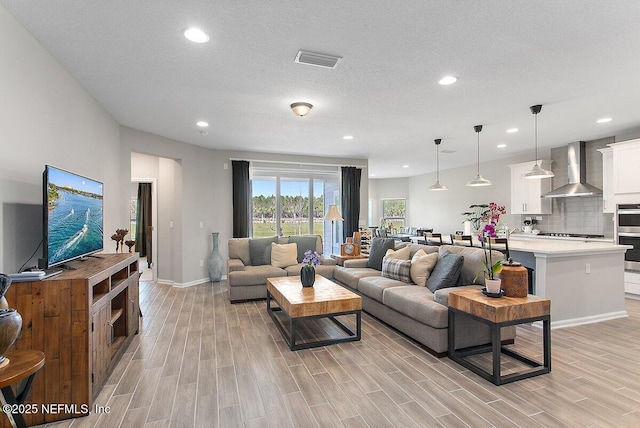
<point x="539" y="218"/>
<point x="201" y="225"/>
<point x="587" y="268"/>
<point x="201" y="263"/>
<point x="528" y="218"/>
<point x="170" y="225"/>
<point x="225" y="165"/>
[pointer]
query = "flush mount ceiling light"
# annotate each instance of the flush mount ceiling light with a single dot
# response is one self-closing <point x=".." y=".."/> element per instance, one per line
<point x="405" y="166"/>
<point x="438" y="185"/>
<point x="348" y="137"/>
<point x="512" y="130"/>
<point x="301" y="109"/>
<point x="501" y="146"/>
<point x="202" y="124"/>
<point x="196" y="35"/>
<point x="536" y="172"/>
<point x="448" y="80"/>
<point x="604" y="120"/>
<point x="479" y="180"/>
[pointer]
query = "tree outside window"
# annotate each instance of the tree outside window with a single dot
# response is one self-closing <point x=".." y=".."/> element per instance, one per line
<point x="394" y="213"/>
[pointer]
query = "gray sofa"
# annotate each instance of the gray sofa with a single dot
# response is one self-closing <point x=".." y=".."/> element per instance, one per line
<point x="414" y="309"/>
<point x="247" y="279"/>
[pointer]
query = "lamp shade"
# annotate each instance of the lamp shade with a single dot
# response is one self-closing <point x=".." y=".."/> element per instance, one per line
<point x="479" y="180"/>
<point x="536" y="172"/>
<point x="438" y="185"/>
<point x="333" y="214"/>
<point x="301" y="109"/>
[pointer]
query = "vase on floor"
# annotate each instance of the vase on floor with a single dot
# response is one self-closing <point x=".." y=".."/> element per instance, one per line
<point x="307" y="276"/>
<point x="10" y="320"/>
<point x="216" y="263"/>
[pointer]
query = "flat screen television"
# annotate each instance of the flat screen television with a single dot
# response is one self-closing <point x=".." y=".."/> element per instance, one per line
<point x="73" y="216"/>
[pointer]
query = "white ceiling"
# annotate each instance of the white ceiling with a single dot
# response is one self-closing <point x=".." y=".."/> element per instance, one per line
<point x="579" y="58"/>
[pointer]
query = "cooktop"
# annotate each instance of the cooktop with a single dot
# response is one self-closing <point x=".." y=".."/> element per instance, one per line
<point x="571" y="235"/>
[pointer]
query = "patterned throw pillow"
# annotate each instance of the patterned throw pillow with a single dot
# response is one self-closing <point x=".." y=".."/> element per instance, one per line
<point x="397" y="269"/>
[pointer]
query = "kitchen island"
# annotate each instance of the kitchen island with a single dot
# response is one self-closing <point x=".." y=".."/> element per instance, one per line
<point x="583" y="278"/>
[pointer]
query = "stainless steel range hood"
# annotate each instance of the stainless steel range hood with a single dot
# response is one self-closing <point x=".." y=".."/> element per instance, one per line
<point x="578" y="185"/>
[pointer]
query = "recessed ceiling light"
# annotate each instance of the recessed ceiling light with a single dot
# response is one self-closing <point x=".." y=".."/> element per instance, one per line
<point x="512" y="130"/>
<point x="448" y="80"/>
<point x="202" y="124"/>
<point x="196" y="35"/>
<point x="501" y="146"/>
<point x="405" y="166"/>
<point x="348" y="137"/>
<point x="604" y="120"/>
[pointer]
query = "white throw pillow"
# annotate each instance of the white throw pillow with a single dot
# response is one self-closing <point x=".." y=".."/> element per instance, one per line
<point x="401" y="254"/>
<point x="283" y="255"/>
<point x="421" y="266"/>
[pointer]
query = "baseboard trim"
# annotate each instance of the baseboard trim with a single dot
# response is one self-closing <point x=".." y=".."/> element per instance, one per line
<point x="573" y="322"/>
<point x="186" y="284"/>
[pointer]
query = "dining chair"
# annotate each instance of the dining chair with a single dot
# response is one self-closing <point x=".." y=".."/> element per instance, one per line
<point x="433" y="238"/>
<point x="504" y="241"/>
<point x="455" y="239"/>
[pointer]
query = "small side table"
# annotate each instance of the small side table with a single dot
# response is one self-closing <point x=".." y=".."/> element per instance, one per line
<point x="341" y="259"/>
<point x="22" y="365"/>
<point x="498" y="313"/>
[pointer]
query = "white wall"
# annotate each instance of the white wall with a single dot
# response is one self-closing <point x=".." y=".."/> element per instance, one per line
<point x="195" y="187"/>
<point x="46" y="117"/>
<point x="442" y="210"/>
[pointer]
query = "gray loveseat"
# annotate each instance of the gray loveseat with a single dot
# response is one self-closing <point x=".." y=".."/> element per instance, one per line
<point x="247" y="273"/>
<point x="414" y="309"/>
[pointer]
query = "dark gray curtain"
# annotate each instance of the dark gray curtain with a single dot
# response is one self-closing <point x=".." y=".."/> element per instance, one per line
<point x="241" y="199"/>
<point x="143" y="220"/>
<point x="350" y="200"/>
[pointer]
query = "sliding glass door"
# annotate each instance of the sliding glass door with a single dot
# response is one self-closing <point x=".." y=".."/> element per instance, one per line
<point x="293" y="203"/>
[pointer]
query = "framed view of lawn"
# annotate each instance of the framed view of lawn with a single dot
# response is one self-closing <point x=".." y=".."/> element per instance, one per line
<point x="286" y="203"/>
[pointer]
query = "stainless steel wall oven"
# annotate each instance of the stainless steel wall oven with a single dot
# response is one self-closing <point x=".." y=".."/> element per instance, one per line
<point x="628" y="233"/>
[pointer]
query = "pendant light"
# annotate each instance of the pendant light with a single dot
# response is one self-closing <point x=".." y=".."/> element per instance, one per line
<point x="438" y="185"/>
<point x="536" y="172"/>
<point x="479" y="180"/>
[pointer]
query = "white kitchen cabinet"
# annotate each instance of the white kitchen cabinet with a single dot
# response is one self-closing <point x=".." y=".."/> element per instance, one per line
<point x="632" y="283"/>
<point x="608" y="202"/>
<point x="525" y="193"/>
<point x="626" y="159"/>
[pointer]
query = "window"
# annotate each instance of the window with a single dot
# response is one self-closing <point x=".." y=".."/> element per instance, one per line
<point x="292" y="202"/>
<point x="394" y="213"/>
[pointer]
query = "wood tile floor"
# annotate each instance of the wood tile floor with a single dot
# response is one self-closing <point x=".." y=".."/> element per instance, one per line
<point x="201" y="362"/>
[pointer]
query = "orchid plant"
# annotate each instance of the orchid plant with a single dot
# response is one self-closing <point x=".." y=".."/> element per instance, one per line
<point x="489" y="268"/>
<point x="311" y="258"/>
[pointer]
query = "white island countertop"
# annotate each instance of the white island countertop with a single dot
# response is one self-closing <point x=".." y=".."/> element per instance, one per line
<point x="564" y="247"/>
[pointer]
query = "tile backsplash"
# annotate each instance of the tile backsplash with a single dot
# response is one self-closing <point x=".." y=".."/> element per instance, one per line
<point x="578" y="214"/>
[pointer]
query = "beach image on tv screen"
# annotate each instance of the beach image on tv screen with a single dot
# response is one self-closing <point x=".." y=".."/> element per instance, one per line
<point x="75" y="216"/>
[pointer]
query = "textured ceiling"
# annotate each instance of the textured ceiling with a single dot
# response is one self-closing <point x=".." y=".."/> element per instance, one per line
<point x="579" y="58"/>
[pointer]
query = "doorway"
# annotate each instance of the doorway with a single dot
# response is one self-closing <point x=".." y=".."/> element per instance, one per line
<point x="142" y="225"/>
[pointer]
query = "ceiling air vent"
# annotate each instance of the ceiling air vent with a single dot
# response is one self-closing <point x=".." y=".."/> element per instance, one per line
<point x="320" y="60"/>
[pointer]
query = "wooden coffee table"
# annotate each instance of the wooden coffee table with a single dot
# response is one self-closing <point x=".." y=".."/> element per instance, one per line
<point x="498" y="313"/>
<point x="299" y="304"/>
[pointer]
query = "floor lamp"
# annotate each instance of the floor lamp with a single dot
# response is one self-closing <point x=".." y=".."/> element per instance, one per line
<point x="333" y="215"/>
